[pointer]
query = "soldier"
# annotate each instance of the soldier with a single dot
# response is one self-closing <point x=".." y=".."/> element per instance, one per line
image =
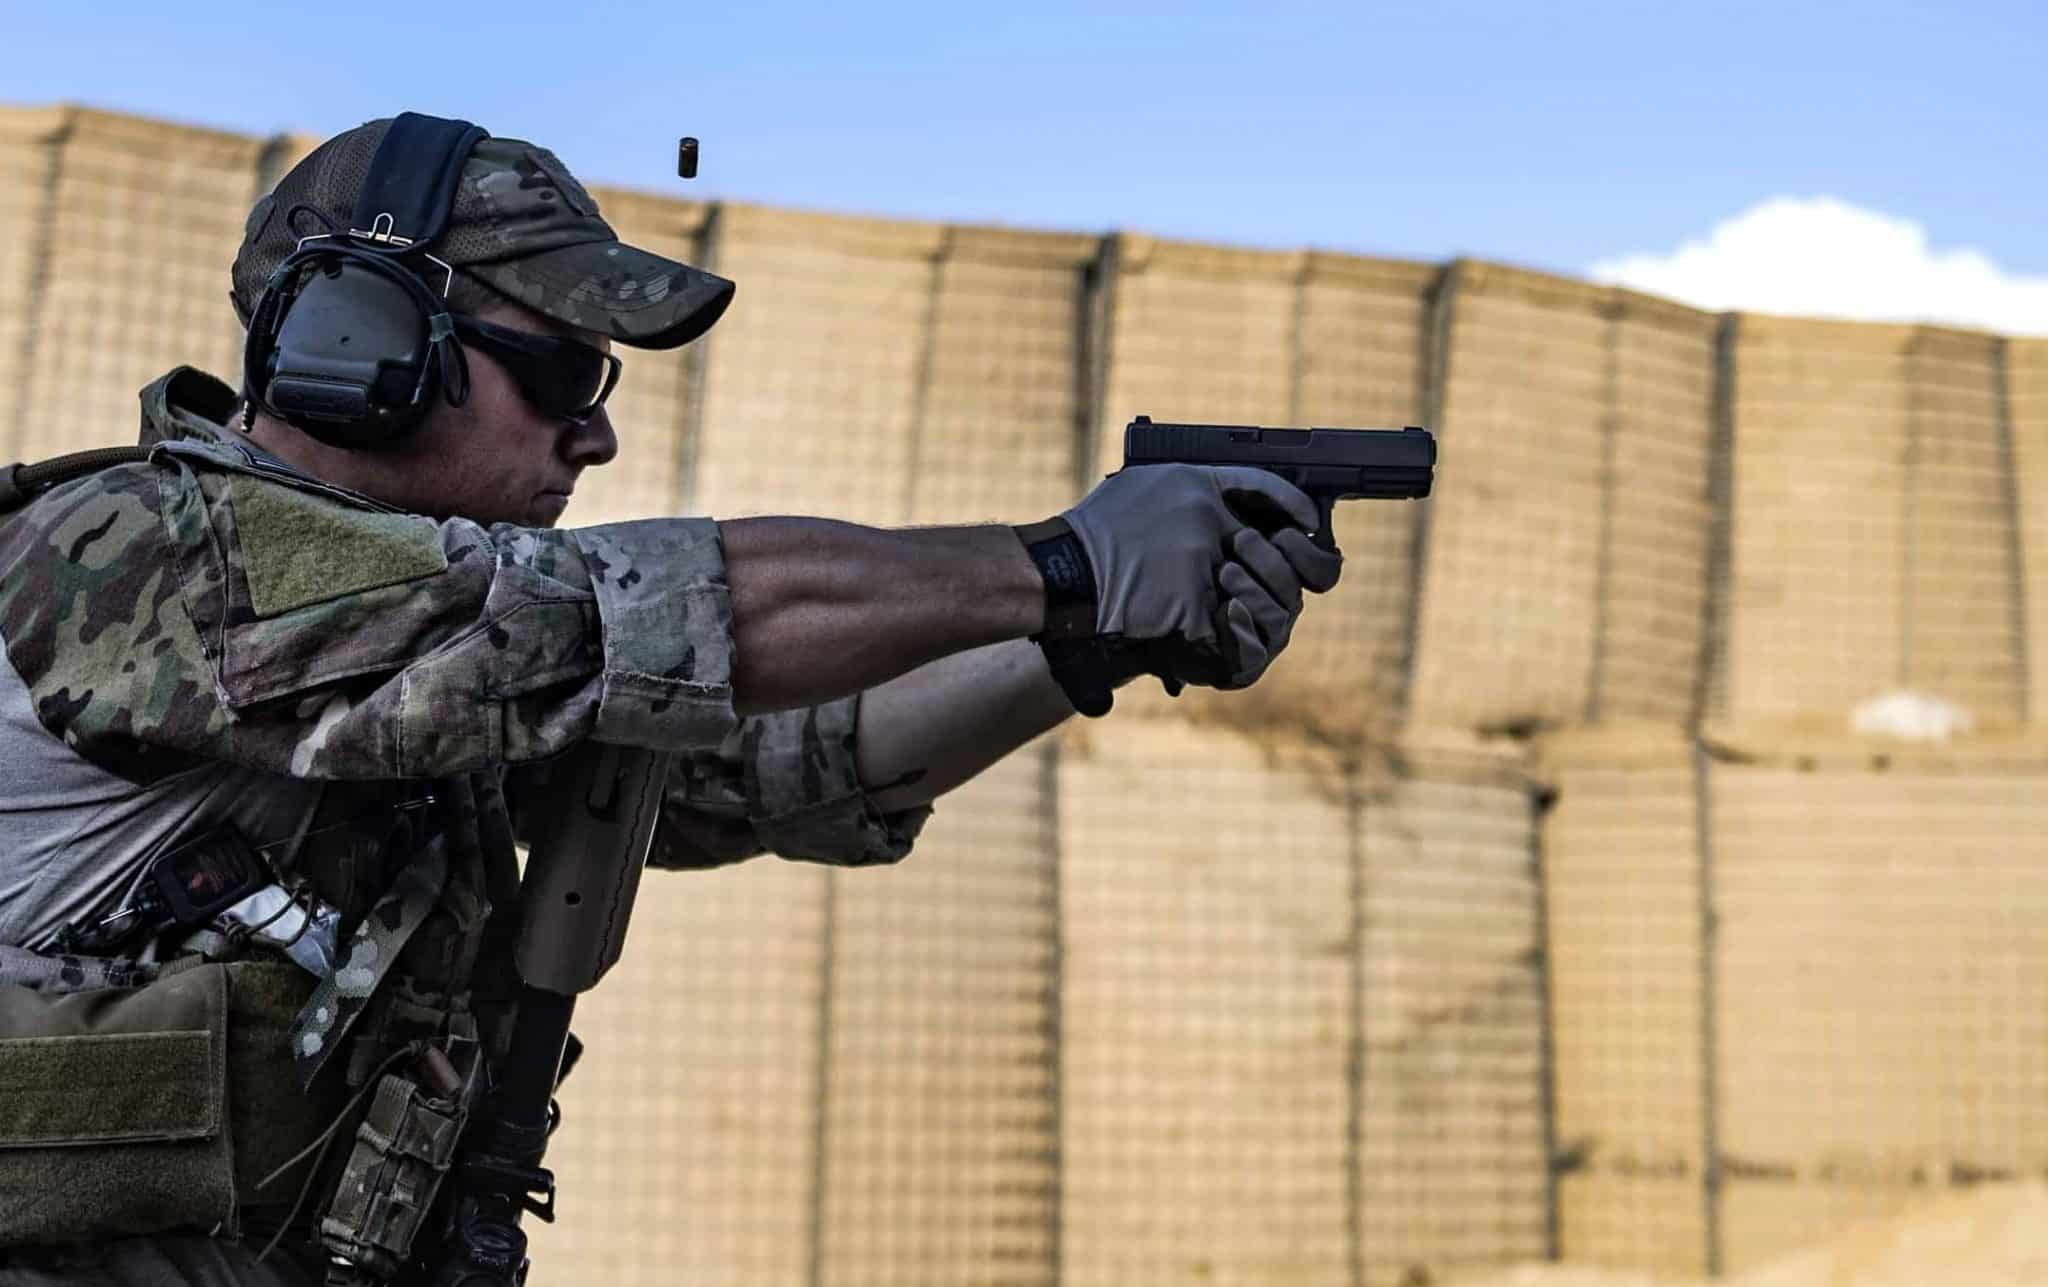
<point x="271" y="646"/>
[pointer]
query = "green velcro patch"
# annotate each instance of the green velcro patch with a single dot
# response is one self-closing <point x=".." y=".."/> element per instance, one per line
<point x="299" y="549"/>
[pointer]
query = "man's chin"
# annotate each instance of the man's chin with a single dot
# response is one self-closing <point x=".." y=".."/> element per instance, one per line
<point x="547" y="508"/>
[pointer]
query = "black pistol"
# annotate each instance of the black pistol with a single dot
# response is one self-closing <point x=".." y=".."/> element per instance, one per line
<point x="1329" y="464"/>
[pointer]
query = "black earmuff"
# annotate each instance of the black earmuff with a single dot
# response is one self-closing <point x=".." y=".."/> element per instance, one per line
<point x="349" y="342"/>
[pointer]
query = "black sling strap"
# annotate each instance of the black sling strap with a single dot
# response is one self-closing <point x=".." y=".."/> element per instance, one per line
<point x="21" y="483"/>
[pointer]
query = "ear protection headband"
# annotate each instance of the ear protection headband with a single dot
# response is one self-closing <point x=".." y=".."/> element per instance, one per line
<point x="349" y="342"/>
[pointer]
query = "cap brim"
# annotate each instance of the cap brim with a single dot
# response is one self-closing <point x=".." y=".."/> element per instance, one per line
<point x="637" y="298"/>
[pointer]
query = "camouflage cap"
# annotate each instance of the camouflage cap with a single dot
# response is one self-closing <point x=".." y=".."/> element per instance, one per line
<point x="521" y="224"/>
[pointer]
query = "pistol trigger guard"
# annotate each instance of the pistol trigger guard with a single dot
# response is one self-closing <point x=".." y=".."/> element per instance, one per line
<point x="1326" y="517"/>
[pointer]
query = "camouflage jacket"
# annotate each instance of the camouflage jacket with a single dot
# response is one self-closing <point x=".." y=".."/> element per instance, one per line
<point x="211" y="636"/>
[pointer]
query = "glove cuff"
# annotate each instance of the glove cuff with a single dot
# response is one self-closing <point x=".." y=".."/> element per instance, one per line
<point x="1077" y="658"/>
<point x="1070" y="594"/>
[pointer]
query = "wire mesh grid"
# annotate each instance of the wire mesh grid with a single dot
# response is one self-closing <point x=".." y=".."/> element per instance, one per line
<point x="690" y="1146"/>
<point x="940" y="1128"/>
<point x="811" y="377"/>
<point x="1654" y="556"/>
<point x="146" y="218"/>
<point x="1508" y="616"/>
<point x="1881" y="984"/>
<point x="1206" y="981"/>
<point x="1622" y="889"/>
<point x="2026" y="385"/>
<point x="1961" y="577"/>
<point x="29" y="142"/>
<point x="1452" y="1138"/>
<point x="1820" y="417"/>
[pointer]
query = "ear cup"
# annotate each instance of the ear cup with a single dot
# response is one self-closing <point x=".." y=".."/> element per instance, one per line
<point x="351" y="364"/>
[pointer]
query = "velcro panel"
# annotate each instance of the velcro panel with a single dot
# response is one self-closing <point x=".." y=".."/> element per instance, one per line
<point x="1508" y="620"/>
<point x="299" y="549"/>
<point x="102" y="1089"/>
<point x="111" y="1111"/>
<point x="151" y="214"/>
<point x="1624" y="928"/>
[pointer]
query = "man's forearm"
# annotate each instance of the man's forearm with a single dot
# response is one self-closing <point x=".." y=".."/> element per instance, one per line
<point x="823" y="609"/>
<point x="928" y="731"/>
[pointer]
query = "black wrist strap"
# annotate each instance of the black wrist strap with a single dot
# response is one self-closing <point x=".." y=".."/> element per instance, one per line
<point x="1070" y="595"/>
<point x="1074" y="653"/>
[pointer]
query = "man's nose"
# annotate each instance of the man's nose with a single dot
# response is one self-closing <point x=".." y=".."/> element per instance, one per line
<point x="592" y="442"/>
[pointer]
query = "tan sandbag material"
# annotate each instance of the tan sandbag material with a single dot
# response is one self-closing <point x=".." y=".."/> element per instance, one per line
<point x="1197" y="333"/>
<point x="941" y="1112"/>
<point x="150" y="215"/>
<point x="1205" y="1031"/>
<point x="1624" y="928"/>
<point x="1507" y="618"/>
<point x="1821" y="422"/>
<point x="1654" y="557"/>
<point x="29" y="141"/>
<point x="999" y="412"/>
<point x="1881" y="987"/>
<point x="810" y="378"/>
<point x="1451" y="1139"/>
<point x="2026" y="372"/>
<point x="1961" y="617"/>
<point x="690" y="1149"/>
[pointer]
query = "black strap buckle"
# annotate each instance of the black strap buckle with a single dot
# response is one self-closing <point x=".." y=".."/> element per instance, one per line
<point x="531" y="1187"/>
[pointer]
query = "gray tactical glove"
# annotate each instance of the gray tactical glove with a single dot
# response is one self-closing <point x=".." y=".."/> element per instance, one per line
<point x="1167" y="570"/>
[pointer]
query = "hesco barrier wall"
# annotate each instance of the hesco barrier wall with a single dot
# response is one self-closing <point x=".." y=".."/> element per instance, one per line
<point x="1544" y="902"/>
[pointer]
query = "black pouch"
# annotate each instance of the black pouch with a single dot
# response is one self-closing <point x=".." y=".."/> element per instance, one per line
<point x="113" y="1110"/>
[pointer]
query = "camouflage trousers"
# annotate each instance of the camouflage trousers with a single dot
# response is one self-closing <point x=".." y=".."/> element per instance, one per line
<point x="164" y="1260"/>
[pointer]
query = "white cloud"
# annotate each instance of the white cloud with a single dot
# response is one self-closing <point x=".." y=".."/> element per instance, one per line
<point x="1820" y="257"/>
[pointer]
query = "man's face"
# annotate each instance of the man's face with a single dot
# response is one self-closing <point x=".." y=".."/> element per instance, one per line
<point x="495" y="459"/>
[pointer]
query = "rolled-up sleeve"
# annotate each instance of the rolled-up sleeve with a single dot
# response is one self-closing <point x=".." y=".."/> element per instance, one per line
<point x="666" y="618"/>
<point x="784" y="783"/>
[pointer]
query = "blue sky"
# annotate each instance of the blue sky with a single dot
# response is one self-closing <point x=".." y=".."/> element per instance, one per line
<point x="1562" y="136"/>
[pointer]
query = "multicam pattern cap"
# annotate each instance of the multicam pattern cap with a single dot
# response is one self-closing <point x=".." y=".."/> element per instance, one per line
<point x="521" y="224"/>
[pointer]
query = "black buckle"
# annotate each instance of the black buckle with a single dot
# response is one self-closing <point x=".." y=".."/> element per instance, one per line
<point x="532" y="1187"/>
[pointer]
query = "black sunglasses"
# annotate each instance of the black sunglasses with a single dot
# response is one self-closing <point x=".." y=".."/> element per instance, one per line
<point x="561" y="377"/>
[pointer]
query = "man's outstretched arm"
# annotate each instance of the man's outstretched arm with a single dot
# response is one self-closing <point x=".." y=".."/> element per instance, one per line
<point x="823" y="609"/>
